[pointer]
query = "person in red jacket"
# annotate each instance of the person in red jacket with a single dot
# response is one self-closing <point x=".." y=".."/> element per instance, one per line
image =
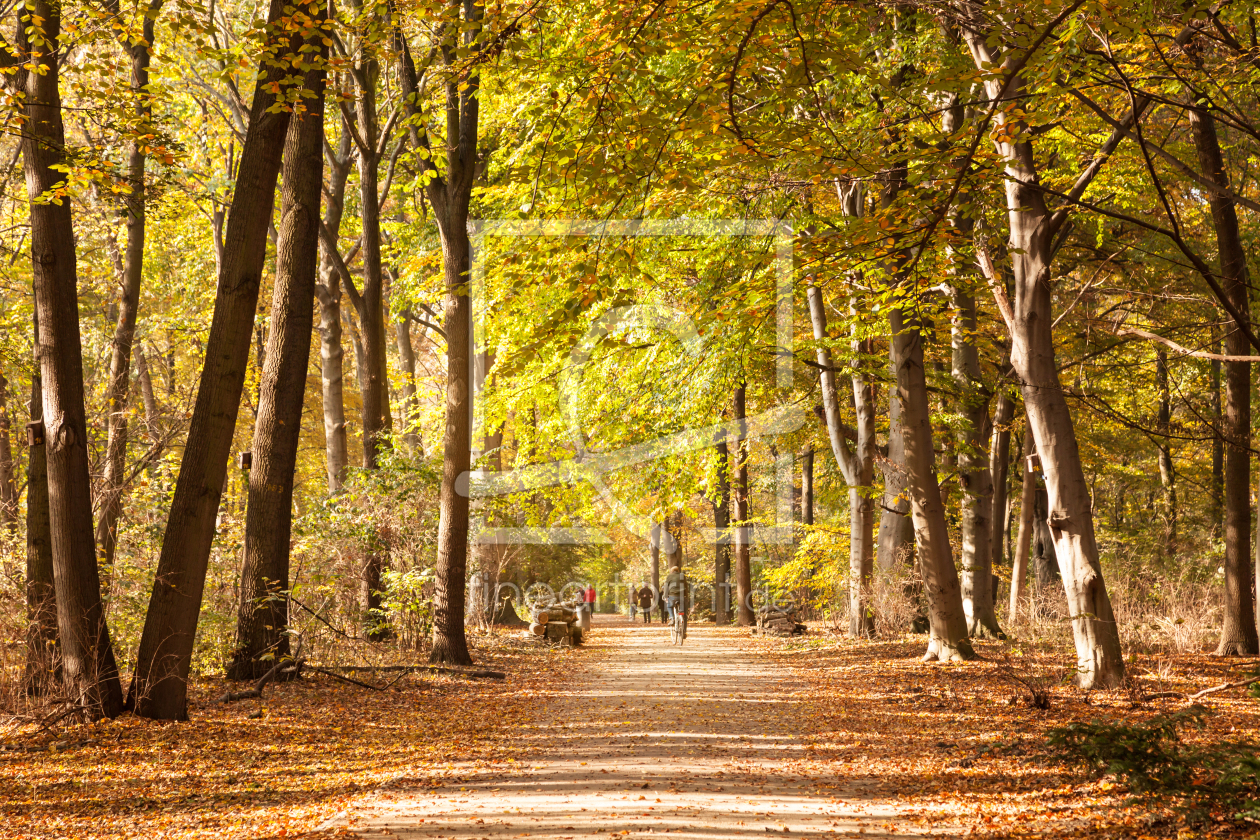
<point x="590" y="598"/>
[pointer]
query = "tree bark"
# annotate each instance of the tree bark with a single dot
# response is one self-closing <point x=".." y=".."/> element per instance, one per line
<point x="974" y="476"/>
<point x="948" y="622"/>
<point x="999" y="470"/>
<point x="89" y="671"/>
<point x="1100" y="661"/>
<point x="43" y="658"/>
<point x="449" y="196"/>
<point x="262" y="618"/>
<point x="1027" y="512"/>
<point x="742" y="527"/>
<point x="807" y="486"/>
<point x="1167" y="475"/>
<point x="856" y="465"/>
<point x="159" y="685"/>
<point x="896" y="527"/>
<point x="8" y="473"/>
<point x="409" y="408"/>
<point x="118" y="387"/>
<point x="146" y="392"/>
<point x="1238" y="626"/>
<point x="722" y="544"/>
<point x="331" y="354"/>
<point x="1218" y="448"/>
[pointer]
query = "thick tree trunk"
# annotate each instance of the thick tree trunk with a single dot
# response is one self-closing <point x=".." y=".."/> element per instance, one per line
<point x="262" y="617"/>
<point x="8" y="473"/>
<point x="89" y="672"/>
<point x="974" y="476"/>
<point x="43" y="658"/>
<point x="117" y="389"/>
<point x="896" y="527"/>
<point x="1027" y="522"/>
<point x="1167" y="475"/>
<point x="1100" y="661"/>
<point x="1238" y="627"/>
<point x="722" y="544"/>
<point x="948" y="622"/>
<point x="159" y="685"/>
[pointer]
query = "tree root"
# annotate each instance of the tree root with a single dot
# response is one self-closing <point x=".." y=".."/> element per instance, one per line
<point x="284" y="666"/>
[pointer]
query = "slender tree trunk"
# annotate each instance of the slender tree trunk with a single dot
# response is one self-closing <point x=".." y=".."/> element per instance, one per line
<point x="407" y="358"/>
<point x="89" y="672"/>
<point x="654" y="568"/>
<point x="262" y="616"/>
<point x="1027" y="512"/>
<point x="159" y="686"/>
<point x="8" y="482"/>
<point x="116" y="392"/>
<point x="450" y="196"/>
<point x="1238" y="630"/>
<point x="896" y="527"/>
<point x="331" y="354"/>
<point x="974" y="476"/>
<point x="1167" y="475"/>
<point x="43" y="657"/>
<point x="856" y="465"/>
<point x="807" y="486"/>
<point x="742" y="527"/>
<point x="722" y="545"/>
<point x="1218" y="448"/>
<point x="1100" y="660"/>
<point x="146" y="392"/>
<point x="449" y="643"/>
<point x="999" y="470"/>
<point x="948" y="622"/>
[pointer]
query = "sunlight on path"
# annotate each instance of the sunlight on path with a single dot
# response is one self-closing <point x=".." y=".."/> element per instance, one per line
<point x="694" y="742"/>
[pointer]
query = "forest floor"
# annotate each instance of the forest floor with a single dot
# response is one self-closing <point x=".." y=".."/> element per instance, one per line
<point x="733" y="736"/>
<point x="730" y="736"/>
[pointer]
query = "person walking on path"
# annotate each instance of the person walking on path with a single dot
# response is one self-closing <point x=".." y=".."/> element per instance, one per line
<point x="645" y="599"/>
<point x="590" y="598"/>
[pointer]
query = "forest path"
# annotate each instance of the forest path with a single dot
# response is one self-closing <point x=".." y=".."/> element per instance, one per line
<point x="702" y="742"/>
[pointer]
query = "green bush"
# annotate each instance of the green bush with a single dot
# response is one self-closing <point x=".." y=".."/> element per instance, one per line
<point x="1214" y="780"/>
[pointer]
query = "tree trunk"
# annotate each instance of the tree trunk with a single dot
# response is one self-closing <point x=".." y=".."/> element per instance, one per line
<point x="331" y="354"/>
<point x="974" y="476"/>
<point x="8" y="481"/>
<point x="1238" y="628"/>
<point x="409" y="408"/>
<point x="1100" y="661"/>
<point x="742" y="527"/>
<point x="948" y="622"/>
<point x="159" y="686"/>
<point x="807" y="486"/>
<point x="89" y="672"/>
<point x="1027" y="512"/>
<point x="449" y="197"/>
<point x="856" y="465"/>
<point x="449" y="642"/>
<point x="999" y="470"/>
<point x="116" y="391"/>
<point x="262" y="616"/>
<point x="1218" y="448"/>
<point x="146" y="392"/>
<point x="654" y="567"/>
<point x="43" y="658"/>
<point x="896" y="527"/>
<point x="722" y="543"/>
<point x="1167" y="476"/>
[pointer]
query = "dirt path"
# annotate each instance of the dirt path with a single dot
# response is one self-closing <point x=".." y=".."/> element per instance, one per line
<point x="701" y="741"/>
